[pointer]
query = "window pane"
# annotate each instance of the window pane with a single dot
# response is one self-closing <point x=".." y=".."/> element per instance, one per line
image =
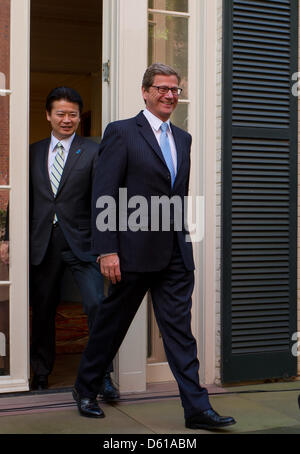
<point x="4" y="180"/>
<point x="180" y="116"/>
<point x="4" y="85"/>
<point x="4" y="330"/>
<point x="4" y="235"/>
<point x="168" y="43"/>
<point x="170" y="5"/>
<point x="4" y="132"/>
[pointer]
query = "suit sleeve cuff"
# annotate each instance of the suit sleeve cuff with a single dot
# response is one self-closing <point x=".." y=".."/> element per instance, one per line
<point x="104" y="255"/>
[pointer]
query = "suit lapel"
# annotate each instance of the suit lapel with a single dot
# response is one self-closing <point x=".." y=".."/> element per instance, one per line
<point x="44" y="165"/>
<point x="148" y="135"/>
<point x="74" y="155"/>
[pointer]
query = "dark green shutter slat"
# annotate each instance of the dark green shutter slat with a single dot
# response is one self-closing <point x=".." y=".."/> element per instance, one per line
<point x="259" y="187"/>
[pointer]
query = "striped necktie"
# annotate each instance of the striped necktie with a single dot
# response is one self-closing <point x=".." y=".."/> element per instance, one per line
<point x="57" y="168"/>
<point x="166" y="150"/>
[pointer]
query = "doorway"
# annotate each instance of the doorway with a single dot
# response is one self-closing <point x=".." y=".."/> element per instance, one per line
<point x="66" y="50"/>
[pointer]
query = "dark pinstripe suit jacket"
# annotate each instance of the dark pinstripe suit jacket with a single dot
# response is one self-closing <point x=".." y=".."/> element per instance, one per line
<point x="72" y="203"/>
<point x="131" y="158"/>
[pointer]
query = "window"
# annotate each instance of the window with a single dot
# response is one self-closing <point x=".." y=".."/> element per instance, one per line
<point x="168" y="31"/>
<point x="4" y="187"/>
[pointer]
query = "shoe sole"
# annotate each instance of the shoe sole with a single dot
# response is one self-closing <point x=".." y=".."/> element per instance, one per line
<point x="86" y="415"/>
<point x="209" y="427"/>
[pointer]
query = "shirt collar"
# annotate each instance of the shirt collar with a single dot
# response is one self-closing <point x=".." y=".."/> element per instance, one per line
<point x="154" y="121"/>
<point x="66" y="143"/>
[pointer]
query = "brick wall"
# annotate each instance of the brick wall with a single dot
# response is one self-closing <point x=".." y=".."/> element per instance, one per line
<point x="4" y="100"/>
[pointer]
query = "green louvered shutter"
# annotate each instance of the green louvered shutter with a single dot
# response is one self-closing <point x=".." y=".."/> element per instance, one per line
<point x="259" y="219"/>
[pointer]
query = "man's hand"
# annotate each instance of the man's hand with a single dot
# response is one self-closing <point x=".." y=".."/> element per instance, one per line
<point x="110" y="267"/>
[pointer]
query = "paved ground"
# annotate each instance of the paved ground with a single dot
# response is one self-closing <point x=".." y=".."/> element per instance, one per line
<point x="258" y="409"/>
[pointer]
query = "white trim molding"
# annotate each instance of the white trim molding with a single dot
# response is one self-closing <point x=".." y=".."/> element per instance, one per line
<point x="19" y="146"/>
<point x="18" y="268"/>
<point x="204" y="128"/>
<point x="210" y="132"/>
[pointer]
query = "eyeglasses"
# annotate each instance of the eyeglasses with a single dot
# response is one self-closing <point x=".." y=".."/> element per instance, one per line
<point x="163" y="90"/>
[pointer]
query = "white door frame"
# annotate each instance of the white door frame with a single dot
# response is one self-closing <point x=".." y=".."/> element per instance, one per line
<point x="18" y="232"/>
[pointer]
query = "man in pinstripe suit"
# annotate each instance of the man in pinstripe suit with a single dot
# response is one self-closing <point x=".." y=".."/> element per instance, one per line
<point x="149" y="157"/>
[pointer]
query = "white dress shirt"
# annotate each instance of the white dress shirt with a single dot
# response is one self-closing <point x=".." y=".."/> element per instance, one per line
<point x="66" y="143"/>
<point x="155" y="124"/>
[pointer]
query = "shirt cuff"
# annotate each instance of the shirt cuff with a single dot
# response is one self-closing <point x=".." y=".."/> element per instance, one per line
<point x="104" y="255"/>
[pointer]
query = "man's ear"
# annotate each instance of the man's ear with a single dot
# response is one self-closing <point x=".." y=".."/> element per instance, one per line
<point x="143" y="94"/>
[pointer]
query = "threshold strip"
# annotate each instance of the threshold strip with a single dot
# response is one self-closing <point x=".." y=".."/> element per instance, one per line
<point x="128" y="399"/>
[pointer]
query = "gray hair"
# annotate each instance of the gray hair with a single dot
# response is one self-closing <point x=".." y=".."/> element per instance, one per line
<point x="157" y="69"/>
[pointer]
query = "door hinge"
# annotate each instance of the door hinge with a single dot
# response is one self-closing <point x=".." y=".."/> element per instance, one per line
<point x="106" y="72"/>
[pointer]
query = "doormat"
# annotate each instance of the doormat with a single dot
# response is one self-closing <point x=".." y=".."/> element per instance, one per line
<point x="71" y="328"/>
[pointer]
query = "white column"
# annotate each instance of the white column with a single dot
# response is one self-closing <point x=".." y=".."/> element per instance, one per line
<point x="210" y="132"/>
<point x="203" y="127"/>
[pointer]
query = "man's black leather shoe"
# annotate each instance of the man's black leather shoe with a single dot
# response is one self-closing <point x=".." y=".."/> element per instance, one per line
<point x="299" y="400"/>
<point x="87" y="407"/>
<point x="208" y="419"/>
<point x="39" y="382"/>
<point x="108" y="391"/>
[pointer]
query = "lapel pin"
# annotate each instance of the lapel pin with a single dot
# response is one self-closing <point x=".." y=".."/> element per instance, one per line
<point x="78" y="151"/>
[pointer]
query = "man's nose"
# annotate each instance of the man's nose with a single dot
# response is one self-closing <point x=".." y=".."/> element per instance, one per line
<point x="170" y="94"/>
<point x="67" y="118"/>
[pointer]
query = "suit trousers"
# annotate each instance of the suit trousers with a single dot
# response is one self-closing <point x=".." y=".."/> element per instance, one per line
<point x="171" y="291"/>
<point x="45" y="285"/>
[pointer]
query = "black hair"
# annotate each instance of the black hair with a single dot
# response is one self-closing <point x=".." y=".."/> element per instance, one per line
<point x="66" y="93"/>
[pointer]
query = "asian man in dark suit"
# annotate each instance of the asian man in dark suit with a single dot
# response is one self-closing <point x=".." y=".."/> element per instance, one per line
<point x="62" y="171"/>
<point x="149" y="157"/>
